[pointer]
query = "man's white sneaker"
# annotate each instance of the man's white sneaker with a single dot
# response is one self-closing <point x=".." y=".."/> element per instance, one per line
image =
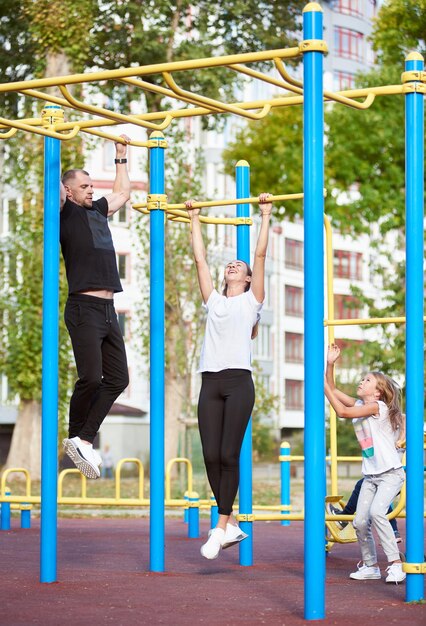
<point x="213" y="545"/>
<point x="395" y="573"/>
<point x="365" y="572"/>
<point x="82" y="455"/>
<point x="233" y="535"/>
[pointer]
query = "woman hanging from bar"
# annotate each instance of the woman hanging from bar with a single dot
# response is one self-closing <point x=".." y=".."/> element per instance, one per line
<point x="227" y="391"/>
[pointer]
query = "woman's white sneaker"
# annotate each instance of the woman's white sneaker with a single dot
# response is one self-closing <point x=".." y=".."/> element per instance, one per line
<point x="213" y="545"/>
<point x="395" y="573"/>
<point x="233" y="535"/>
<point x="365" y="572"/>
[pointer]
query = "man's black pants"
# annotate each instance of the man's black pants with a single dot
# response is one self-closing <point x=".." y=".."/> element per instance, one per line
<point x="101" y="362"/>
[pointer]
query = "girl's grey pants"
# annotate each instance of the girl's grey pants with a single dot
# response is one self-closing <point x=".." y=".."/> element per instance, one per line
<point x="377" y="493"/>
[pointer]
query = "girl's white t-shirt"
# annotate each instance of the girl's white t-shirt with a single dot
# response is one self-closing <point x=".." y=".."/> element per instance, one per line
<point x="386" y="455"/>
<point x="227" y="340"/>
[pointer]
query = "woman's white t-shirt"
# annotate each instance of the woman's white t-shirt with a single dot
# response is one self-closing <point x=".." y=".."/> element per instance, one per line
<point x="385" y="456"/>
<point x="227" y="340"/>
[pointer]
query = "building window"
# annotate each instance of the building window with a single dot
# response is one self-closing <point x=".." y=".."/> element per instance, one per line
<point x="343" y="80"/>
<point x="268" y="299"/>
<point x="294" y="254"/>
<point x="352" y="353"/>
<point x="346" y="307"/>
<point x="294" y="347"/>
<point x="347" y="264"/>
<point x="348" y="43"/>
<point x="349" y="7"/>
<point x="122" y="215"/>
<point x="263" y="342"/>
<point x="294" y="301"/>
<point x="123" y="266"/>
<point x="124" y="323"/>
<point x="294" y="394"/>
<point x="265" y="381"/>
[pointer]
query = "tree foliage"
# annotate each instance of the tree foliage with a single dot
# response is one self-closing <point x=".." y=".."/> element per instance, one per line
<point x="400" y="28"/>
<point x="143" y="33"/>
<point x="273" y="147"/>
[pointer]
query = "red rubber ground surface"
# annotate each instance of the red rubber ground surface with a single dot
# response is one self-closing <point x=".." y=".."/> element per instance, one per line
<point x="104" y="578"/>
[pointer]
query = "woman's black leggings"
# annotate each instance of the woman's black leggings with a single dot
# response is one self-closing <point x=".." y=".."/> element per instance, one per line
<point x="224" y="408"/>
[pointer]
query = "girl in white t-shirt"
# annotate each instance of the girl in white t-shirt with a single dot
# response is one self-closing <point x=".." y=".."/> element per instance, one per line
<point x="227" y="391"/>
<point x="380" y="428"/>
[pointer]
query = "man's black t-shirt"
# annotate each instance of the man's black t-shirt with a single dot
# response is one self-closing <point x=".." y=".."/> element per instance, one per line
<point x="87" y="248"/>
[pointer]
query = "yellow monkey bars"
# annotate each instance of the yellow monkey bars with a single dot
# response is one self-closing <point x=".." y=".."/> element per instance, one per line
<point x="189" y="104"/>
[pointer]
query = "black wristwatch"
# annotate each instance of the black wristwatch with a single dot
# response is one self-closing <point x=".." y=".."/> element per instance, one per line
<point x="120" y="160"/>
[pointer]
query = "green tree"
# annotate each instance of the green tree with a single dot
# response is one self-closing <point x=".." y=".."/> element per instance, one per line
<point x="400" y="28"/>
<point x="143" y="33"/>
<point x="33" y="51"/>
<point x="266" y="405"/>
<point x="275" y="157"/>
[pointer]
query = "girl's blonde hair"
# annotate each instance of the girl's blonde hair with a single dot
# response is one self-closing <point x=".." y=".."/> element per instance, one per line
<point x="390" y="394"/>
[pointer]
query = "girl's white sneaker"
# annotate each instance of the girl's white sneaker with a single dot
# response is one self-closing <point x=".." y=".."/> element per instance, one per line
<point x="395" y="573"/>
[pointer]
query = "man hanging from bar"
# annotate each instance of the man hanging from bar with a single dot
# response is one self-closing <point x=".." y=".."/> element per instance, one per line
<point x="92" y="323"/>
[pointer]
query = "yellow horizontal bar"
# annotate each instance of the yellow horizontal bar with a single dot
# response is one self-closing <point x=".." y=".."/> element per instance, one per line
<point x="249" y="57"/>
<point x="215" y="104"/>
<point x="365" y="321"/>
<point x="118" y="117"/>
<point x="273" y="517"/>
<point x="329" y="95"/>
<point x="267" y="79"/>
<point x="40" y="131"/>
<point x="116" y="138"/>
<point x="8" y="133"/>
<point x="218" y="203"/>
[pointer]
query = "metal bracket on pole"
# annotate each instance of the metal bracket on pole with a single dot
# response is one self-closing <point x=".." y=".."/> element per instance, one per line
<point x="414" y="568"/>
<point x="313" y="45"/>
<point x="51" y="115"/>
<point x="156" y="143"/>
<point x="156" y="201"/>
<point x="413" y="75"/>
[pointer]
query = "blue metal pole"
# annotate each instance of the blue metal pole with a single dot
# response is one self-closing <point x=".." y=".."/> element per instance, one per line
<point x="214" y="512"/>
<point x="313" y="185"/>
<point x="194" y="515"/>
<point x="5" y="513"/>
<point x="242" y="173"/>
<point x="157" y="364"/>
<point x="26" y="516"/>
<point x="414" y="172"/>
<point x="49" y="403"/>
<point x="285" y="480"/>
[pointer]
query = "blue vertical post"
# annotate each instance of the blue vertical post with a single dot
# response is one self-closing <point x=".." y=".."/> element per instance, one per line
<point x="194" y="515"/>
<point x="313" y="185"/>
<point x="157" y="363"/>
<point x="26" y="515"/>
<point x="242" y="173"/>
<point x="214" y="512"/>
<point x="5" y="513"/>
<point x="49" y="402"/>
<point x="285" y="480"/>
<point x="414" y="172"/>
